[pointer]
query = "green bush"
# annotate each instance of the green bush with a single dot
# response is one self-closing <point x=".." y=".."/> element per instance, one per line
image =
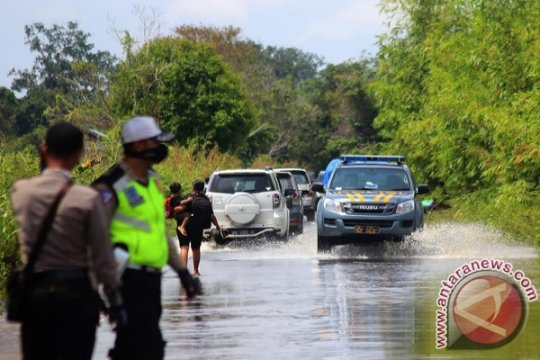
<point x="14" y="166"/>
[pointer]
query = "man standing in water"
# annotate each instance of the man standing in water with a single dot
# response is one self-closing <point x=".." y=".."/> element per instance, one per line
<point x="130" y="191"/>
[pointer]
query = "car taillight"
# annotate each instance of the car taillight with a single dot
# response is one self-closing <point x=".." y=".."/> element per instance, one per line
<point x="276" y="200"/>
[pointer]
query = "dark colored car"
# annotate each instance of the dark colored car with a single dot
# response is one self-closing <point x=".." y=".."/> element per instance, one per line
<point x="294" y="201"/>
<point x="367" y="198"/>
<point x="309" y="197"/>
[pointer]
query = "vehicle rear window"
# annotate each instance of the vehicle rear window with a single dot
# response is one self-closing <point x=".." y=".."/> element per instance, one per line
<point x="300" y="177"/>
<point x="285" y="181"/>
<point x="231" y="183"/>
<point x="379" y="178"/>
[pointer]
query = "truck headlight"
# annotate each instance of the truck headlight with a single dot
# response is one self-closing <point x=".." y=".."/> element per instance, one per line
<point x="405" y="207"/>
<point x="333" y="205"/>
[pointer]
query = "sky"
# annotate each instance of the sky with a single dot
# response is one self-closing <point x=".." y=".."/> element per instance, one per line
<point x="337" y="30"/>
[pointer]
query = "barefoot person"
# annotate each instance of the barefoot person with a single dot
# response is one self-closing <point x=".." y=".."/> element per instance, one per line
<point x="202" y="216"/>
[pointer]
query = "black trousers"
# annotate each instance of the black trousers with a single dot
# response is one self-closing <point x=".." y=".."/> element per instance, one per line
<point x="60" y="320"/>
<point x="141" y="338"/>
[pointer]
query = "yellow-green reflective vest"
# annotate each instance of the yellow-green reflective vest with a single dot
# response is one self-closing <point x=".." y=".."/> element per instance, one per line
<point x="139" y="222"/>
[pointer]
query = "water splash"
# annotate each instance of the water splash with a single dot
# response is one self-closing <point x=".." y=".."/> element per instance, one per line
<point x="447" y="241"/>
<point x="444" y="241"/>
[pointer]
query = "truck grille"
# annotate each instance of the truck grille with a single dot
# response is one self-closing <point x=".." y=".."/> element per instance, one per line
<point x="384" y="209"/>
<point x="379" y="223"/>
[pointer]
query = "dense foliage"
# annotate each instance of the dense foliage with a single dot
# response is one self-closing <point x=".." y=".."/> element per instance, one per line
<point x="68" y="75"/>
<point x="188" y="88"/>
<point x="458" y="87"/>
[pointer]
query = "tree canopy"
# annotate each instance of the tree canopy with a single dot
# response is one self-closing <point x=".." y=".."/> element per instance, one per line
<point x="67" y="74"/>
<point x="188" y="88"/>
<point x="458" y="91"/>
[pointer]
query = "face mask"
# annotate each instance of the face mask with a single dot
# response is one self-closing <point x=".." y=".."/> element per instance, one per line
<point x="155" y="155"/>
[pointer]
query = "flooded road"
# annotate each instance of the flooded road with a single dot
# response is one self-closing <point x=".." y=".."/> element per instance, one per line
<point x="284" y="301"/>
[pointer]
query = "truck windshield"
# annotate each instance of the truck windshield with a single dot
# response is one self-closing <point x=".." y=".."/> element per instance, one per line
<point x="285" y="181"/>
<point x="376" y="178"/>
<point x="300" y="177"/>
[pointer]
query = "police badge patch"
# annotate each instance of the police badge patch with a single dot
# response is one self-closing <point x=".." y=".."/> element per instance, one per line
<point x="106" y="196"/>
<point x="133" y="196"/>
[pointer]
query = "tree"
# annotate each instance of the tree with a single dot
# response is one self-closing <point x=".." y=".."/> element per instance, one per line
<point x="187" y="86"/>
<point x="457" y="90"/>
<point x="241" y="54"/>
<point x="270" y="78"/>
<point x="66" y="68"/>
<point x="8" y="111"/>
<point x="58" y="48"/>
<point x="291" y="62"/>
<point x="31" y="109"/>
<point x="346" y="111"/>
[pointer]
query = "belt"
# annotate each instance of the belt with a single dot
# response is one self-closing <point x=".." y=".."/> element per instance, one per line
<point x="145" y="268"/>
<point x="62" y="275"/>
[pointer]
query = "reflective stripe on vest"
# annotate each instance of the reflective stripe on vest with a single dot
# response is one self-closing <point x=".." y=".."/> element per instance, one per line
<point x="139" y="222"/>
<point x="140" y="225"/>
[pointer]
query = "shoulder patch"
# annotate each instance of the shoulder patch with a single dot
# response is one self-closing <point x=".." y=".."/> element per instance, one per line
<point x="106" y="196"/>
<point x="111" y="176"/>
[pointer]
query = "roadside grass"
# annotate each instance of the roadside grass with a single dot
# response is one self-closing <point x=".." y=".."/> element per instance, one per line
<point x="14" y="165"/>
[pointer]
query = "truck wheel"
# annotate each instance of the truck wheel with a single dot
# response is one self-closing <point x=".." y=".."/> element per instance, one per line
<point x="323" y="244"/>
<point x="284" y="237"/>
<point x="300" y="229"/>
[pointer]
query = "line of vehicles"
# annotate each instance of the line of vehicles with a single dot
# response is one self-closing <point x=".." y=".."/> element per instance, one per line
<point x="358" y="199"/>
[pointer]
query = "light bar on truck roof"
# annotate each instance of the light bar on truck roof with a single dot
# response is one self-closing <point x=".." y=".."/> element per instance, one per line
<point x="349" y="159"/>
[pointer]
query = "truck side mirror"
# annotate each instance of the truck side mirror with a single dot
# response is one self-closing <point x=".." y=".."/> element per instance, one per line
<point x="422" y="189"/>
<point x="317" y="187"/>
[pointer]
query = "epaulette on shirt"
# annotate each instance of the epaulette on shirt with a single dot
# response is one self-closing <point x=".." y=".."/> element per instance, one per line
<point x="108" y="179"/>
<point x="111" y="176"/>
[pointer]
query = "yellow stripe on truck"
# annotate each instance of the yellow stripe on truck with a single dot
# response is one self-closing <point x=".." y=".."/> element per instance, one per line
<point x="388" y="197"/>
<point x="359" y="196"/>
<point x="378" y="197"/>
<point x="351" y="198"/>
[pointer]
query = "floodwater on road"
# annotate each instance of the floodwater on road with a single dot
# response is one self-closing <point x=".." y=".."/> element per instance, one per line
<point x="285" y="301"/>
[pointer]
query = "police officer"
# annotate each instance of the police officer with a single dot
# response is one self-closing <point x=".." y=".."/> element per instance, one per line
<point x="62" y="310"/>
<point x="134" y="201"/>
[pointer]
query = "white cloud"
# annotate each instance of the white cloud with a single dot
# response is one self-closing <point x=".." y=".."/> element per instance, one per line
<point x="360" y="17"/>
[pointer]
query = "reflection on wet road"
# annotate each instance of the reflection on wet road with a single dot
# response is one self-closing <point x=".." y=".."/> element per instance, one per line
<point x="284" y="301"/>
